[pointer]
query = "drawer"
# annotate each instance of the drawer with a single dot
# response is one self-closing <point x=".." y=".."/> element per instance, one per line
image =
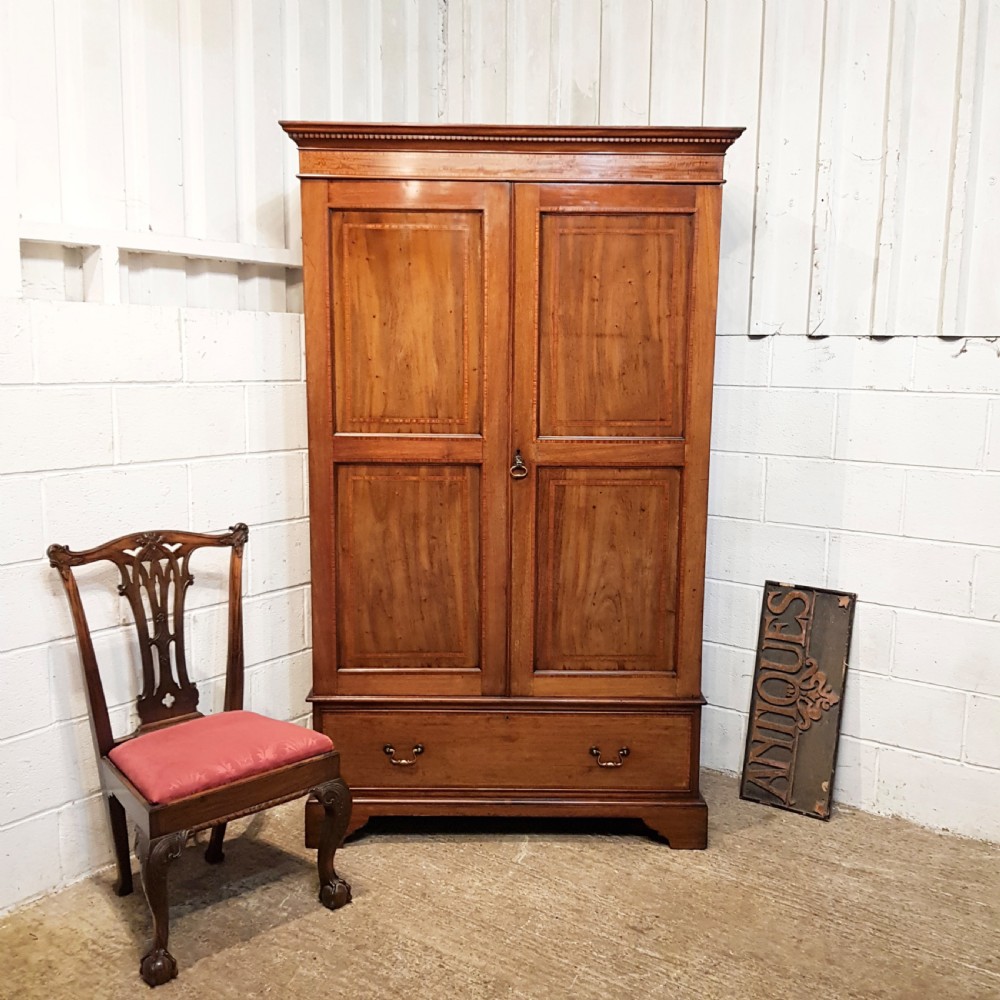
<point x="524" y="750"/>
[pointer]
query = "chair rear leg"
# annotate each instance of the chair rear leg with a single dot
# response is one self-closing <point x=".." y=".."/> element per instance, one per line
<point x="214" y="854"/>
<point x="119" y="834"/>
<point x="158" y="965"/>
<point x="335" y="797"/>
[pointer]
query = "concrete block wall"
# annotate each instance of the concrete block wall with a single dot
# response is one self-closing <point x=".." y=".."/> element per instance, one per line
<point x="873" y="467"/>
<point x="121" y="418"/>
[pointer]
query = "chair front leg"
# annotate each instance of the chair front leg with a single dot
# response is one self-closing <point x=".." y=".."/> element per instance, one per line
<point x="158" y="965"/>
<point x="119" y="834"/>
<point x="335" y="798"/>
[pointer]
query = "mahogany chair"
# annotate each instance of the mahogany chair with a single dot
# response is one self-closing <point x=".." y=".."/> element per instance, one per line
<point x="181" y="771"/>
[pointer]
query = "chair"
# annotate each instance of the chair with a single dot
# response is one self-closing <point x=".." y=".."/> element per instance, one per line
<point x="182" y="771"/>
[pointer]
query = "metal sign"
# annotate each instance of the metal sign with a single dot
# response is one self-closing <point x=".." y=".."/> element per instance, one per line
<point x="798" y="689"/>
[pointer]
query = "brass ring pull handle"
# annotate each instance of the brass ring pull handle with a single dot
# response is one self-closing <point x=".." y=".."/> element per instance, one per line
<point x="518" y="470"/>
<point x="622" y="754"/>
<point x="390" y="752"/>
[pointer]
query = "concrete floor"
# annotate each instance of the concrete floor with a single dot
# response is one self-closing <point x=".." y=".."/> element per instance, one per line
<point x="779" y="906"/>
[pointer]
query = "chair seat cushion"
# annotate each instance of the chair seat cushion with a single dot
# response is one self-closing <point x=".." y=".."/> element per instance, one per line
<point x="197" y="756"/>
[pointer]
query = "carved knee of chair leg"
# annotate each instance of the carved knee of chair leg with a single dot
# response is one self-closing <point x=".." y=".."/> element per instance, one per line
<point x="158" y="965"/>
<point x="335" y="798"/>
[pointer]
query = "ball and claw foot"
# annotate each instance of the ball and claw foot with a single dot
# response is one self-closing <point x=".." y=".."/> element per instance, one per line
<point x="335" y="895"/>
<point x="158" y="967"/>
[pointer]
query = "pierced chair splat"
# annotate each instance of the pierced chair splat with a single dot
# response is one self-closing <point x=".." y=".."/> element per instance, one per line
<point x="182" y="771"/>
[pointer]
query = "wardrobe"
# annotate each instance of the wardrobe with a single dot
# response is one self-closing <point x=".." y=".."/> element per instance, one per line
<point x="509" y="349"/>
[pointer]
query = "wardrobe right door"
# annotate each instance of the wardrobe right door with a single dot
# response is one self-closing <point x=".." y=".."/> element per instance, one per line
<point x="609" y="437"/>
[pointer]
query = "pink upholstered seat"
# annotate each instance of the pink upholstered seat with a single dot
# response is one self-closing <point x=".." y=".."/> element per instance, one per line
<point x="191" y="757"/>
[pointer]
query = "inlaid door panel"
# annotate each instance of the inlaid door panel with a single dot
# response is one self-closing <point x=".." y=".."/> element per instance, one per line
<point x="408" y="453"/>
<point x="408" y="295"/>
<point x="607" y="280"/>
<point x="408" y="565"/>
<point x="606" y="568"/>
<point x="612" y="309"/>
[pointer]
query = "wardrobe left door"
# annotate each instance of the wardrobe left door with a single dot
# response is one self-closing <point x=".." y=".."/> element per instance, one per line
<point x="407" y="356"/>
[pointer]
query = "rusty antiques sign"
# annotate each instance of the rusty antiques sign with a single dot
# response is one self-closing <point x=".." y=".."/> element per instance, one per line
<point x="798" y="690"/>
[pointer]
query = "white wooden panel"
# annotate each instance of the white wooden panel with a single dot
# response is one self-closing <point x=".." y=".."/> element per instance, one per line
<point x="732" y="95"/>
<point x="10" y="249"/>
<point x="529" y="46"/>
<point x="192" y="83"/>
<point x="315" y="19"/>
<point x="485" y="41"/>
<point x="154" y="279"/>
<point x="136" y="122"/>
<point x="88" y="74"/>
<point x="851" y="162"/>
<point x="262" y="288"/>
<point x="361" y="65"/>
<point x="291" y="108"/>
<point x="335" y="48"/>
<point x="426" y="20"/>
<point x="625" y="50"/>
<point x="677" y="62"/>
<point x="398" y="78"/>
<point x="213" y="284"/>
<point x="52" y="272"/>
<point x="955" y="283"/>
<point x="32" y="57"/>
<point x="157" y="118"/>
<point x="786" y="172"/>
<point x="71" y="122"/>
<point x="576" y="57"/>
<point x="411" y="50"/>
<point x="972" y="291"/>
<point x="454" y="19"/>
<point x="268" y="139"/>
<point x="921" y="131"/>
<point x="161" y="35"/>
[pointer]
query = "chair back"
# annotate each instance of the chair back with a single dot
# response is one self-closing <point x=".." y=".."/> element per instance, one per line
<point x="154" y="578"/>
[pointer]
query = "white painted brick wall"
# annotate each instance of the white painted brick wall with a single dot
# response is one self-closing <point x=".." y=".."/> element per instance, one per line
<point x="879" y="477"/>
<point x="120" y="418"/>
<point x="982" y="738"/>
<point x="76" y="424"/>
<point x="800" y="490"/>
<point x="911" y="429"/>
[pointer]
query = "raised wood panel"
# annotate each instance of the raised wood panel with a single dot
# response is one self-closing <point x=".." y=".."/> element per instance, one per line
<point x="408" y="290"/>
<point x="607" y="569"/>
<point x="408" y="566"/>
<point x="612" y="319"/>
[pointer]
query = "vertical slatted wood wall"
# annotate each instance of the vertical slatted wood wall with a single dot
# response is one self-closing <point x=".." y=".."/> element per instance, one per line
<point x="862" y="199"/>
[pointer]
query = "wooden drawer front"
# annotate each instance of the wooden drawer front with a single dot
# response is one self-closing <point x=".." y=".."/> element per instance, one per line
<point x="465" y="750"/>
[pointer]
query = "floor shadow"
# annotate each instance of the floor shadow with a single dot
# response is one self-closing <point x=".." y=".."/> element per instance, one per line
<point x="471" y="828"/>
<point x="258" y="887"/>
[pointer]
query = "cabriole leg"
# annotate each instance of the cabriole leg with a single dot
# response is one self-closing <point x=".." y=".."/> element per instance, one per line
<point x="335" y="798"/>
<point x="158" y="965"/>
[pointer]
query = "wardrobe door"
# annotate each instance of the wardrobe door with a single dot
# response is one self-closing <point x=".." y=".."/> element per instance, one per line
<point x="614" y="321"/>
<point x="408" y="390"/>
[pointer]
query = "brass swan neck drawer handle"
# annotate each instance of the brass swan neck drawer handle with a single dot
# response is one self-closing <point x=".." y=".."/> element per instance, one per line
<point x="622" y="754"/>
<point x="390" y="752"/>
